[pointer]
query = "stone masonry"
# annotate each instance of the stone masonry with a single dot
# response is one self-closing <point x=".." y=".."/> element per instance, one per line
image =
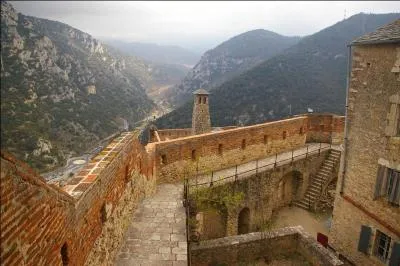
<point x="372" y="144"/>
<point x="201" y="122"/>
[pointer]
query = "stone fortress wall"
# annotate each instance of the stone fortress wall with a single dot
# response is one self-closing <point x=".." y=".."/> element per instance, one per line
<point x="290" y="243"/>
<point x="184" y="157"/>
<point x="263" y="194"/>
<point x="84" y="221"/>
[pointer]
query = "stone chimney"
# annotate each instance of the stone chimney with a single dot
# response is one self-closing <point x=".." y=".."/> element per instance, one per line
<point x="201" y="122"/>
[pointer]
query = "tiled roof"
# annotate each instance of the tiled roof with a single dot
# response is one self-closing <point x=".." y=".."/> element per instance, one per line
<point x="89" y="174"/>
<point x="388" y="33"/>
<point x="201" y="91"/>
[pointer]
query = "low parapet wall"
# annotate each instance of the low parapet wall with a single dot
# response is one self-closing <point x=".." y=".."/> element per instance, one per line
<point x="44" y="225"/>
<point x="266" y="246"/>
<point x="184" y="157"/>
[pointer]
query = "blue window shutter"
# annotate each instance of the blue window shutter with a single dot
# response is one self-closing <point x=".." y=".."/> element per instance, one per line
<point x="395" y="257"/>
<point x="363" y="242"/>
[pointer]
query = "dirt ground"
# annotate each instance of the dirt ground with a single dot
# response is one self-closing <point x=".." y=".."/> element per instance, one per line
<point x="311" y="222"/>
<point x="293" y="259"/>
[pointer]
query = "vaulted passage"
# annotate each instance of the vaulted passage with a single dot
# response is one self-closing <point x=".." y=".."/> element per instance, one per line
<point x="244" y="221"/>
<point x="290" y="187"/>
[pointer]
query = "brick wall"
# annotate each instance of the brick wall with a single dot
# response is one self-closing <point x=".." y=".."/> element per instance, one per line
<point x="182" y="157"/>
<point x="372" y="84"/>
<point x="37" y="219"/>
<point x="325" y="128"/>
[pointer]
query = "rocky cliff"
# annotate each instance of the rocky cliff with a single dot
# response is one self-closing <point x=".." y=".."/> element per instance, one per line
<point x="229" y="59"/>
<point x="62" y="90"/>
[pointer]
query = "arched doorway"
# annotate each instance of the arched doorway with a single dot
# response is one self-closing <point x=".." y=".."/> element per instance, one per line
<point x="290" y="188"/>
<point x="244" y="221"/>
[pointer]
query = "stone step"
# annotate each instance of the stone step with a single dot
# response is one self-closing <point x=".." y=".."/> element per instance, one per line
<point x="311" y="193"/>
<point x="323" y="175"/>
<point x="309" y="197"/>
<point x="314" y="190"/>
<point x="326" y="169"/>
<point x="329" y="162"/>
<point x="316" y="187"/>
<point x="301" y="204"/>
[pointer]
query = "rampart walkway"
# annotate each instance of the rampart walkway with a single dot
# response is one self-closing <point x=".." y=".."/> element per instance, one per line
<point x="157" y="234"/>
<point x="250" y="168"/>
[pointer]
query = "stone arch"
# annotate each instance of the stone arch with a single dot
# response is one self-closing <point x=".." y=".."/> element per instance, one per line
<point x="244" y="221"/>
<point x="290" y="187"/>
<point x="211" y="224"/>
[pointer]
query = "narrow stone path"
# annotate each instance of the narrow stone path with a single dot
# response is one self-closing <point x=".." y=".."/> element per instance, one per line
<point x="157" y="234"/>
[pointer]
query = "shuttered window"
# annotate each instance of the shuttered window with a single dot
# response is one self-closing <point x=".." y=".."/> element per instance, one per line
<point x="388" y="184"/>
<point x="393" y="186"/>
<point x="380" y="186"/>
<point x="395" y="257"/>
<point x="365" y="236"/>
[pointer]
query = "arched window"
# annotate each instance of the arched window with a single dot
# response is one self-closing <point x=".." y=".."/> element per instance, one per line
<point x="163" y="159"/>
<point x="64" y="254"/>
<point x="127" y="173"/>
<point x="284" y="135"/>
<point x="265" y="139"/>
<point x="244" y="221"/>
<point x="205" y="100"/>
<point x="103" y="213"/>
<point x="243" y="144"/>
<point x="193" y="155"/>
<point x="301" y="131"/>
<point x="220" y="149"/>
<point x="199" y="99"/>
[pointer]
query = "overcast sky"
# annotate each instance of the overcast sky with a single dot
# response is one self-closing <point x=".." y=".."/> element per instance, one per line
<point x="197" y="25"/>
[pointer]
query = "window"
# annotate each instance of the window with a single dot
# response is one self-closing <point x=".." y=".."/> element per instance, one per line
<point x="64" y="255"/>
<point x="321" y="127"/>
<point x="265" y="139"/>
<point x="243" y="144"/>
<point x="103" y="213"/>
<point x="284" y="135"/>
<point x="127" y="173"/>
<point x="199" y="100"/>
<point x="163" y="159"/>
<point x="194" y="155"/>
<point x="363" y="240"/>
<point x="204" y="100"/>
<point x="301" y="131"/>
<point x="388" y="184"/>
<point x="393" y="117"/>
<point x="382" y="245"/>
<point x="220" y="149"/>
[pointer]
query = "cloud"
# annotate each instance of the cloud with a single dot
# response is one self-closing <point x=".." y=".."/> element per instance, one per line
<point x="180" y="22"/>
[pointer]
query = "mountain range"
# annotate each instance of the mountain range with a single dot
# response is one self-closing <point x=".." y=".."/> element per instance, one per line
<point x="168" y="54"/>
<point x="229" y="59"/>
<point x="309" y="74"/>
<point x="62" y="90"/>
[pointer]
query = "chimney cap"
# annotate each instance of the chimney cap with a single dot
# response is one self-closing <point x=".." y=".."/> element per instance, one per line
<point x="201" y="92"/>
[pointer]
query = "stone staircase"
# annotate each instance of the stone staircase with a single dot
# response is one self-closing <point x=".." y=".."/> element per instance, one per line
<point x="319" y="181"/>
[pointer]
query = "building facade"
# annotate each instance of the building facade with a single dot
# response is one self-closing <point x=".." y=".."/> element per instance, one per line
<point x="366" y="217"/>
